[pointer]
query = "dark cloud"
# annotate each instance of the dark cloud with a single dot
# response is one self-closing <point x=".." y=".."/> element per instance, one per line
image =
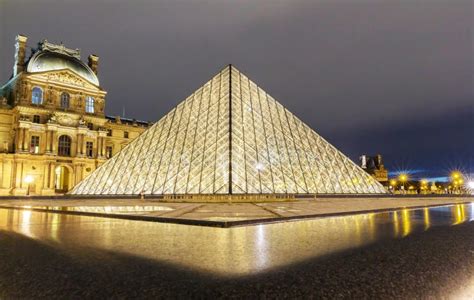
<point x="347" y="68"/>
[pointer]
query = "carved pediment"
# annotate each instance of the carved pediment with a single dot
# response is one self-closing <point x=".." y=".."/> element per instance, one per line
<point x="65" y="77"/>
<point x="68" y="77"/>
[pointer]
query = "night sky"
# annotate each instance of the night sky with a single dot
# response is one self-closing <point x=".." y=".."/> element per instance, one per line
<point x="388" y="77"/>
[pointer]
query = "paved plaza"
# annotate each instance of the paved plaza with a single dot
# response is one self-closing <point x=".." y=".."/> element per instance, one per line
<point x="228" y="214"/>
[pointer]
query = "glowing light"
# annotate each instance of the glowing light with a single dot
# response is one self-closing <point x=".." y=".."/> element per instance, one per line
<point x="29" y="179"/>
<point x="426" y="217"/>
<point x="470" y="185"/>
<point x="393" y="182"/>
<point x="403" y="177"/>
<point x="456" y="174"/>
<point x="406" y="222"/>
<point x="259" y="166"/>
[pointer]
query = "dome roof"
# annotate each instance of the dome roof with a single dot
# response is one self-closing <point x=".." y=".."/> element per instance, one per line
<point x="43" y="61"/>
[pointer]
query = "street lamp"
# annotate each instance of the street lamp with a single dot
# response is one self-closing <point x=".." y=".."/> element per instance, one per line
<point x="393" y="185"/>
<point x="403" y="178"/>
<point x="455" y="175"/>
<point x="28" y="179"/>
<point x="457" y="180"/>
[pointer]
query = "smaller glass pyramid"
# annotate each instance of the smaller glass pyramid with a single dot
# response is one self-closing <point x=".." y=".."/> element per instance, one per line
<point x="229" y="137"/>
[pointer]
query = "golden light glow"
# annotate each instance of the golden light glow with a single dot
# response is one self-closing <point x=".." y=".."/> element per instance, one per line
<point x="406" y="222"/>
<point x="459" y="214"/>
<point x="456" y="174"/>
<point x="426" y="219"/>
<point x="403" y="177"/>
<point x="29" y="179"/>
<point x="396" y="223"/>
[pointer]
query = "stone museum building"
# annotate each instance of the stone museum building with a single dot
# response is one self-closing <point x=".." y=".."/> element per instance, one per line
<point x="53" y="127"/>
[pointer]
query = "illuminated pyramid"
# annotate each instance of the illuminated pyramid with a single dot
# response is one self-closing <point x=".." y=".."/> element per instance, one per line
<point x="229" y="137"/>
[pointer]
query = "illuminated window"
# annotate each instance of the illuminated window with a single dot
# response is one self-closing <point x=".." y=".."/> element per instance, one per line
<point x="64" y="146"/>
<point x="64" y="100"/>
<point x="34" y="144"/>
<point x="36" y="119"/>
<point x="89" y="149"/>
<point x="125" y="134"/>
<point x="37" y="95"/>
<point x="89" y="105"/>
<point x="108" y="151"/>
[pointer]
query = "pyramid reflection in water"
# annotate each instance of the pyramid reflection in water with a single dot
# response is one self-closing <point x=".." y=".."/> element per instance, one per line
<point x="229" y="137"/>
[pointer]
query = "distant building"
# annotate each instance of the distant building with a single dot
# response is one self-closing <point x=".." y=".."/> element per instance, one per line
<point x="53" y="128"/>
<point x="374" y="166"/>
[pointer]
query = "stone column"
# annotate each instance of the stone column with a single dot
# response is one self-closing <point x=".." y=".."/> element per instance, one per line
<point x="80" y="138"/>
<point x="100" y="141"/>
<point x="104" y="145"/>
<point x="51" y="175"/>
<point x="2" y="170"/>
<point x="19" y="174"/>
<point x="54" y="143"/>
<point x="46" y="176"/>
<point x="83" y="146"/>
<point x="78" y="170"/>
<point x="19" y="139"/>
<point x="26" y="140"/>
<point x="47" y="143"/>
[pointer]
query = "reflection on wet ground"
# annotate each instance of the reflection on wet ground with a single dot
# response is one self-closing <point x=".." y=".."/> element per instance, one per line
<point x="230" y="251"/>
<point x="228" y="214"/>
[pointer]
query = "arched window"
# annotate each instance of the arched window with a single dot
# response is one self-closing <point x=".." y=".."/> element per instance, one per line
<point x="37" y="95"/>
<point x="64" y="100"/>
<point x="89" y="105"/>
<point x="64" y="146"/>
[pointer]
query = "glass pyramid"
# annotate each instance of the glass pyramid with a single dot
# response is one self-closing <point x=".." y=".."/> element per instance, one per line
<point x="229" y="137"/>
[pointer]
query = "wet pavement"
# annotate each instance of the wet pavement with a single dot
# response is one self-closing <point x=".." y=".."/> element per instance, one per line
<point x="57" y="255"/>
<point x="229" y="214"/>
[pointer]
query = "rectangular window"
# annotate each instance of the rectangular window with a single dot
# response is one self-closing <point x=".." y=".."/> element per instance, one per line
<point x="90" y="126"/>
<point x="36" y="119"/>
<point x="125" y="134"/>
<point x="89" y="149"/>
<point x="108" y="151"/>
<point x="89" y="105"/>
<point x="34" y="145"/>
<point x="109" y="132"/>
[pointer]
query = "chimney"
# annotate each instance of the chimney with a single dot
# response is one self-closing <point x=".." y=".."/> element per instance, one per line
<point x="20" y="50"/>
<point x="93" y="63"/>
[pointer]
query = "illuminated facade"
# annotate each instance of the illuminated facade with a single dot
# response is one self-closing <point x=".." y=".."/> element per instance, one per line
<point x="229" y="138"/>
<point x="375" y="167"/>
<point x="53" y="130"/>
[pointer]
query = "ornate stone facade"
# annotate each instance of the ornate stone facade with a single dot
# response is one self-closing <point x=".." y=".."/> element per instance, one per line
<point x="53" y="128"/>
